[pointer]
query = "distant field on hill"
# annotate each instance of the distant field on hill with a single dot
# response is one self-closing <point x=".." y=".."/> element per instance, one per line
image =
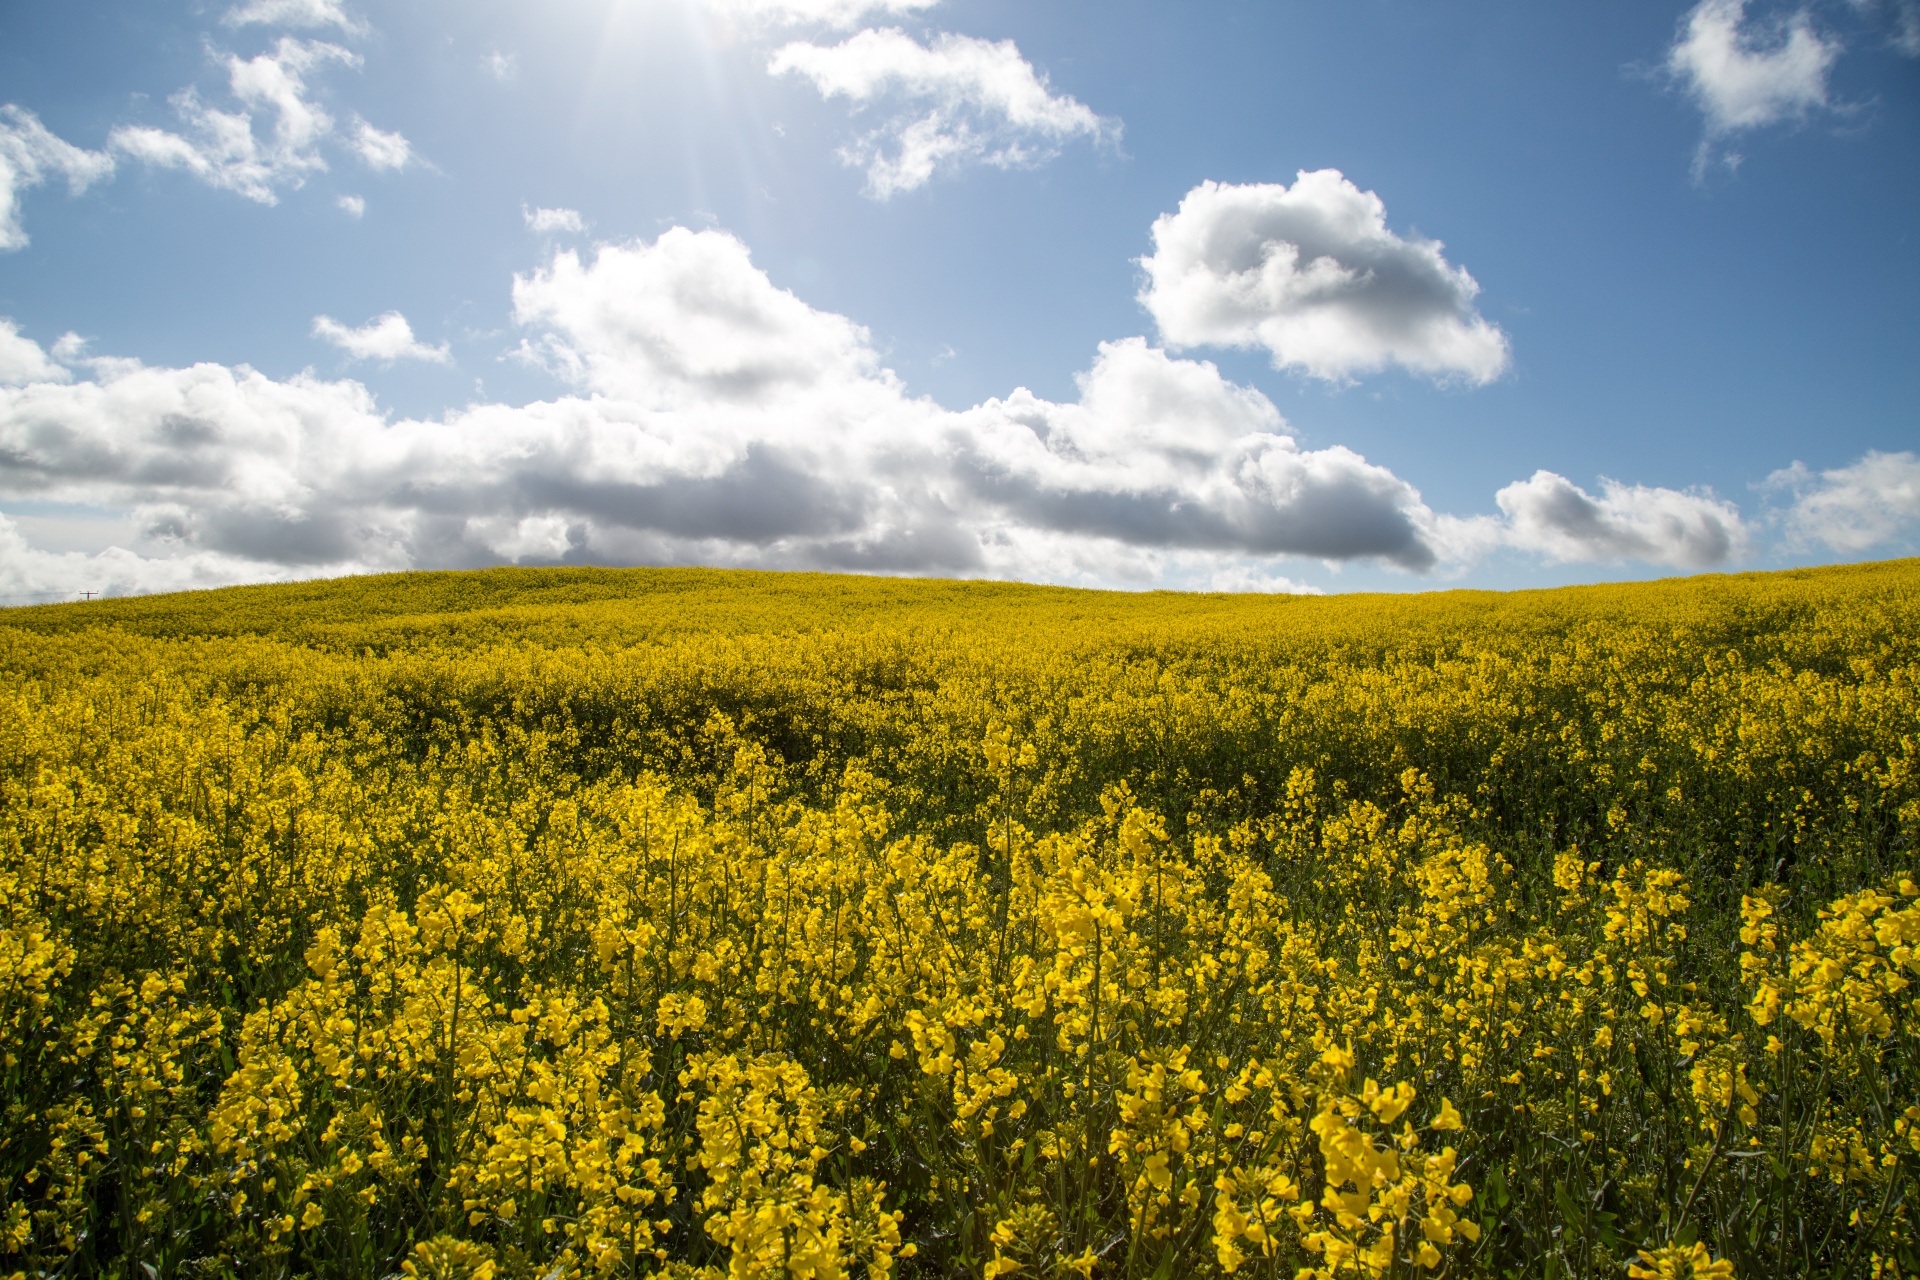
<point x="631" y="922"/>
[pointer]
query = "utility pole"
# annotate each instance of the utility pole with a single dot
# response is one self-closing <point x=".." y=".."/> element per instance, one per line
<point x="89" y="594"/>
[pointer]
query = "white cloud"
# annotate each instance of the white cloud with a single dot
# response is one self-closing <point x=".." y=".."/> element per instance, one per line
<point x="223" y="149"/>
<point x="1251" y="579"/>
<point x="1165" y="453"/>
<point x="70" y="351"/>
<point x="718" y="419"/>
<point x="688" y="321"/>
<point x="1312" y="274"/>
<point x="956" y="102"/>
<point x="386" y="338"/>
<point x="270" y="138"/>
<point x="30" y="154"/>
<point x="1742" y="78"/>
<point x="22" y="361"/>
<point x="30" y="575"/>
<point x="723" y="421"/>
<point x="1872" y="503"/>
<point x="549" y="221"/>
<point x="381" y="150"/>
<point x="839" y="14"/>
<point x="1551" y="516"/>
<point x="501" y="66"/>
<point x="352" y="206"/>
<point x="294" y="13"/>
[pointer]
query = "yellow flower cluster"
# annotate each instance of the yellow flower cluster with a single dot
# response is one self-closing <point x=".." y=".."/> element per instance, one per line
<point x="758" y="1125"/>
<point x="1380" y="1189"/>
<point x="685" y="925"/>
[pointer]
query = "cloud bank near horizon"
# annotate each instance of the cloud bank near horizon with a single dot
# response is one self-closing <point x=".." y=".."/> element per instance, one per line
<point x="715" y="418"/>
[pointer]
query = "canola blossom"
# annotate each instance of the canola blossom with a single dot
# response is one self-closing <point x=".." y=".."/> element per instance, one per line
<point x="673" y="923"/>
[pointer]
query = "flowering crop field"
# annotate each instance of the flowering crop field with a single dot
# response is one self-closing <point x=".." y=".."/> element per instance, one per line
<point x="556" y="923"/>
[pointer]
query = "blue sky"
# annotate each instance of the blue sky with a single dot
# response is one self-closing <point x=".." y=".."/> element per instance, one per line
<point x="1245" y="296"/>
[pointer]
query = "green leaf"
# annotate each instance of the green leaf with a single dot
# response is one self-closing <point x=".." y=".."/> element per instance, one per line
<point x="1567" y="1208"/>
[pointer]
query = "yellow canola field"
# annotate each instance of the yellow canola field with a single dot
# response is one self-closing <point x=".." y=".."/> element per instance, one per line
<point x="555" y="923"/>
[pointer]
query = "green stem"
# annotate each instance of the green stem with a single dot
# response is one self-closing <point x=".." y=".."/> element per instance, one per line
<point x="1719" y="1143"/>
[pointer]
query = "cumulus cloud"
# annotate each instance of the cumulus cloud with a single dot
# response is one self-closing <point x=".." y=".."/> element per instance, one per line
<point x="955" y="102"/>
<point x="352" y="206"/>
<point x="718" y="419"/>
<point x="1311" y="274"/>
<point x="1742" y="78"/>
<point x="1743" y="74"/>
<point x="293" y="13"/>
<point x="1245" y="579"/>
<point x="840" y="14"/>
<point x="70" y="351"/>
<point x="379" y="149"/>
<point x="222" y="149"/>
<point x="385" y="338"/>
<point x="225" y="149"/>
<point x="1166" y="453"/>
<point x="271" y="136"/>
<point x="31" y="575"/>
<point x="549" y="221"/>
<point x="22" y="360"/>
<point x="30" y="154"/>
<point x="1874" y="502"/>
<point x="1551" y="516"/>
<point x="688" y="321"/>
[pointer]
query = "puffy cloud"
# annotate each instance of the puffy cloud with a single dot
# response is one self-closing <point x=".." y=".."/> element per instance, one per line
<point x="956" y="101"/>
<point x="501" y="66"/>
<point x="1743" y="79"/>
<point x="549" y="221"/>
<point x="222" y="147"/>
<point x="1312" y="274"/>
<point x="722" y="420"/>
<point x="381" y="150"/>
<point x="22" y="361"/>
<point x="386" y="338"/>
<point x="69" y="350"/>
<point x="1871" y="503"/>
<point x="840" y="14"/>
<point x="688" y="321"/>
<point x="719" y="419"/>
<point x="293" y="13"/>
<point x="224" y="150"/>
<point x="30" y="154"/>
<point x="30" y="575"/>
<point x="1550" y="515"/>
<point x="1166" y="453"/>
<point x="352" y="206"/>
<point x="1250" y="579"/>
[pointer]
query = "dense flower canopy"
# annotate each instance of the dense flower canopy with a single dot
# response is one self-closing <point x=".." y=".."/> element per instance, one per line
<point x="686" y="924"/>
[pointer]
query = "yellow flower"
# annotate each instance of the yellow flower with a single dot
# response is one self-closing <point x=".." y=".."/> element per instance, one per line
<point x="1676" y="1262"/>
